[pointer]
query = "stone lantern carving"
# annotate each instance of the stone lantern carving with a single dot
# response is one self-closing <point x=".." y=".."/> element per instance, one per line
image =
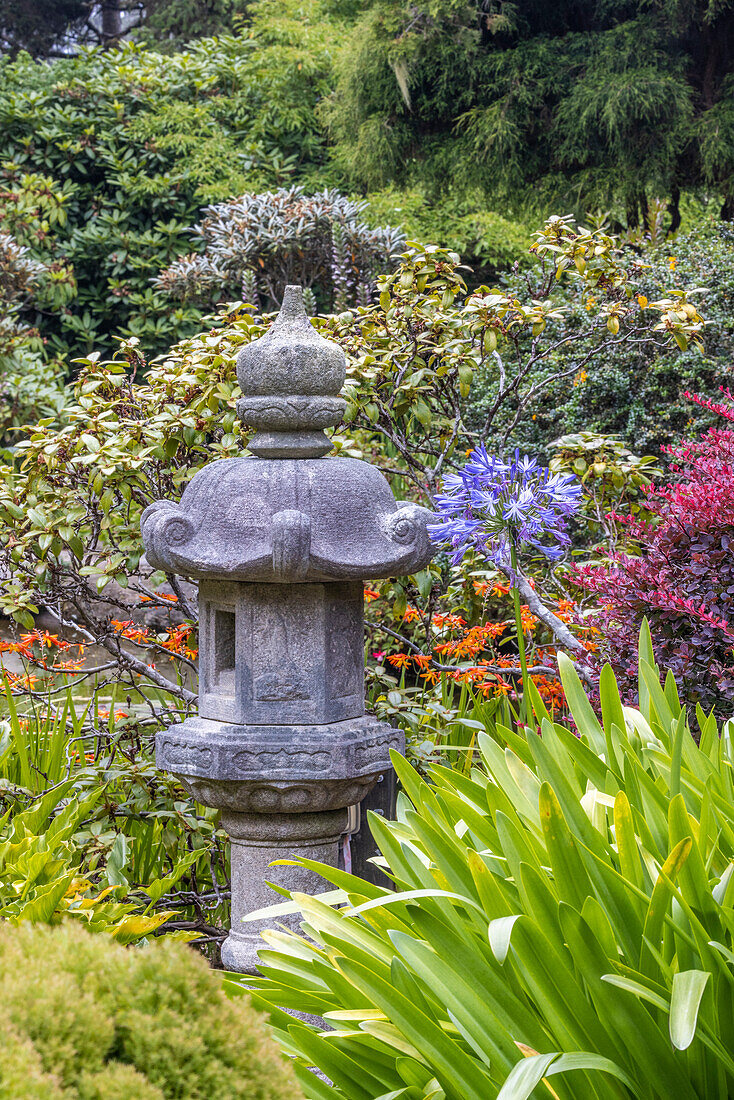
<point x="281" y="544"/>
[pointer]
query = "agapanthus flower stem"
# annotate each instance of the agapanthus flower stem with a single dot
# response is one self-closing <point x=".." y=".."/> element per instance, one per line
<point x="518" y="624"/>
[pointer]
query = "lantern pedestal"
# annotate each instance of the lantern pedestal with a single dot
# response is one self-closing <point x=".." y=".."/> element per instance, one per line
<point x="257" y="841"/>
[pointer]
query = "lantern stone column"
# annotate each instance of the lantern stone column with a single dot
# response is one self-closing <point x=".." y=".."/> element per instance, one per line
<point x="281" y="544"/>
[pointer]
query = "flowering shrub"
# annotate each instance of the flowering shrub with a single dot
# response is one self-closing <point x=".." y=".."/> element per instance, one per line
<point x="255" y="245"/>
<point x="442" y="673"/>
<point x="681" y="577"/>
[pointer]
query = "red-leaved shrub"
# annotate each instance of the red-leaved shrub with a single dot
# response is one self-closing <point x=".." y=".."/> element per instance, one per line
<point x="681" y="576"/>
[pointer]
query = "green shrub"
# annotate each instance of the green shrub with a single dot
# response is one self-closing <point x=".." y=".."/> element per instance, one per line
<point x="638" y="393"/>
<point x="90" y="829"/>
<point x="85" y="1019"/>
<point x="564" y="911"/>
<point x="121" y="148"/>
<point x="30" y="387"/>
<point x="44" y="876"/>
<point x="487" y="241"/>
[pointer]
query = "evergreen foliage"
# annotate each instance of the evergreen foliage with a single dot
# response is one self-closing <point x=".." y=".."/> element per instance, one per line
<point x="62" y="28"/>
<point x="613" y="102"/>
<point x="29" y="387"/>
<point x="38" y="26"/>
<point x="169" y="23"/>
<point x="131" y="143"/>
<point x="82" y="1018"/>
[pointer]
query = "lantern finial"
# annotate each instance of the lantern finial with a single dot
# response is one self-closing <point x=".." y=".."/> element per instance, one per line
<point x="291" y="379"/>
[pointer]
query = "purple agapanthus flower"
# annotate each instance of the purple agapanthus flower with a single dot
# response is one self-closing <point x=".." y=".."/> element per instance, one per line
<point x="491" y="503"/>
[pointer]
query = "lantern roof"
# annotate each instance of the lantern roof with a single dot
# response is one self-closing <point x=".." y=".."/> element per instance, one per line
<point x="288" y="514"/>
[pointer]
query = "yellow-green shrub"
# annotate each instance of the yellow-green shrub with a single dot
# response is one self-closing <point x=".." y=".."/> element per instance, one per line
<point x="83" y="1017"/>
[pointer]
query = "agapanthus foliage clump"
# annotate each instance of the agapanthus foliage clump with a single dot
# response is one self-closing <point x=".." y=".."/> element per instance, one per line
<point x="680" y="575"/>
<point x="491" y="505"/>
<point x="255" y="245"/>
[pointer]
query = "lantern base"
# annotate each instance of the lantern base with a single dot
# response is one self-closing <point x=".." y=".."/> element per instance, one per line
<point x="278" y="769"/>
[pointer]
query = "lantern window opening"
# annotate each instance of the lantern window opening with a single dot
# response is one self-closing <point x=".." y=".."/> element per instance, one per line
<point x="225" y="634"/>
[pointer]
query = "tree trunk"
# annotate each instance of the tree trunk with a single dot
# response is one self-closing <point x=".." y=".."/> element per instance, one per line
<point x="674" y="209"/>
<point x="111" y="21"/>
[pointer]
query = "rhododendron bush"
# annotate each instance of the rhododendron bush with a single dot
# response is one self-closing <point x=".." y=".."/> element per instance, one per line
<point x="679" y="574"/>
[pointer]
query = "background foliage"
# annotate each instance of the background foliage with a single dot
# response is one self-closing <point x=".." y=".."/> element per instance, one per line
<point x="615" y="103"/>
<point x="130" y="144"/>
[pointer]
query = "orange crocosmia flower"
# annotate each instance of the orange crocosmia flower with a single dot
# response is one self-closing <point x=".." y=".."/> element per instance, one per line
<point x="499" y="588"/>
<point x="101" y="713"/>
<point x="371" y="594"/>
<point x="528" y="620"/>
<point x="71" y="665"/>
<point x="130" y="630"/>
<point x="495" y="629"/>
<point x="17" y="647"/>
<point x="501" y="687"/>
<point x="177" y="641"/>
<point x="399" y="660"/>
<point x="431" y="676"/>
<point x="451" y="621"/>
<point x="566" y="610"/>
<point x="422" y="660"/>
<point x="411" y="614"/>
<point x="19" y="683"/>
<point x="46" y="639"/>
<point x="481" y="587"/>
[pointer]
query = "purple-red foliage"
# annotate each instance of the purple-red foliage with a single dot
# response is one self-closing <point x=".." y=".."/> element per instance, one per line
<point x="683" y="577"/>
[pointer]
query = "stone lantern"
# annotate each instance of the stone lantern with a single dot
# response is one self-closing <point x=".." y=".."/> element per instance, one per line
<point x="281" y="544"/>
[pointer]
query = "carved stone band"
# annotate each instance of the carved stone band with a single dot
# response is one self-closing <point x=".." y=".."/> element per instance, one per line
<point x="221" y="751"/>
<point x="278" y="769"/>
<point x="282" y="413"/>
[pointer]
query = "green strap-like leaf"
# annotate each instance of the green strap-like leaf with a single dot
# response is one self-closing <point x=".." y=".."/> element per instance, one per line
<point x="688" y="989"/>
<point x="580" y="707"/>
<point x="530" y="1072"/>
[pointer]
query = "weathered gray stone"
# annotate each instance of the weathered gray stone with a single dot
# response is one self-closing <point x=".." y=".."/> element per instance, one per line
<point x="258" y="841"/>
<point x="275" y="654"/>
<point x="278" y="769"/>
<point x="281" y="545"/>
<point x="290" y="380"/>
<point x="287" y="520"/>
